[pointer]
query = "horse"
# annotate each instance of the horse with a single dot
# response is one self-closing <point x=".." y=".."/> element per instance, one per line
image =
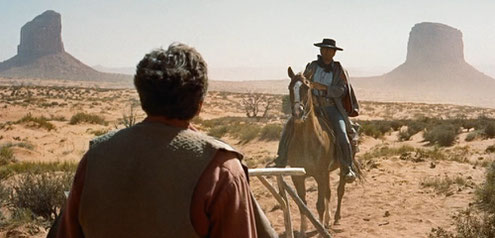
<point x="312" y="147"/>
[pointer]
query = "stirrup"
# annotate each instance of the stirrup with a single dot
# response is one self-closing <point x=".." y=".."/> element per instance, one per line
<point x="350" y="176"/>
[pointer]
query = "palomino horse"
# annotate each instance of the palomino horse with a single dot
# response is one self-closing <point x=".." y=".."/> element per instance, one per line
<point x="310" y="146"/>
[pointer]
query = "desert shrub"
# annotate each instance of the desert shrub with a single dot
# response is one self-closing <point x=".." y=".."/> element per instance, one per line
<point x="36" y="168"/>
<point x="468" y="123"/>
<point x="473" y="135"/>
<point x="39" y="122"/>
<point x="490" y="129"/>
<point x="254" y="103"/>
<point x="6" y="155"/>
<point x="286" y="105"/>
<point x="443" y="134"/>
<point x="57" y="118"/>
<point x="218" y="131"/>
<point x="396" y="124"/>
<point x="443" y="185"/>
<point x="99" y="132"/>
<point x="477" y="221"/>
<point x="460" y="154"/>
<point x="82" y="117"/>
<point x="416" y="126"/>
<point x="129" y="118"/>
<point x="435" y="153"/>
<point x="440" y="233"/>
<point x="386" y="151"/>
<point x="413" y="127"/>
<point x="23" y="144"/>
<point x="384" y="126"/>
<point x="43" y="194"/>
<point x="377" y="128"/>
<point x="222" y="121"/>
<point x="404" y="135"/>
<point x="271" y="132"/>
<point x="490" y="149"/>
<point x="468" y="224"/>
<point x="245" y="132"/>
<point x="486" y="193"/>
<point x="244" y="129"/>
<point x="4" y="194"/>
<point x="19" y="217"/>
<point x="371" y="130"/>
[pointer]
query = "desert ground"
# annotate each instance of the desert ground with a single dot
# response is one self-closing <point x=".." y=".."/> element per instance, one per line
<point x="410" y="186"/>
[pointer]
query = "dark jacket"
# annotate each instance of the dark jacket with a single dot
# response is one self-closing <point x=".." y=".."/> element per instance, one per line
<point x="340" y="90"/>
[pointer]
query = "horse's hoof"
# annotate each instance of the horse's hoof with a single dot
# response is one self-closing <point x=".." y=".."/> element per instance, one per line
<point x="336" y="222"/>
<point x="299" y="234"/>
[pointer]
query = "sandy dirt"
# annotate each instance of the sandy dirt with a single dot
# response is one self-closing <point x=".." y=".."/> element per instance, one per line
<point x="391" y="202"/>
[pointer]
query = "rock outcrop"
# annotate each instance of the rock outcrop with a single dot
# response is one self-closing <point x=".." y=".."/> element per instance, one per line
<point x="42" y="36"/>
<point x="434" y="43"/>
<point x="434" y="71"/>
<point x="41" y="55"/>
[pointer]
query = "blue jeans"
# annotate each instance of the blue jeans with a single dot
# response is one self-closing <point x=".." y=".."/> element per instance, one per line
<point x="344" y="149"/>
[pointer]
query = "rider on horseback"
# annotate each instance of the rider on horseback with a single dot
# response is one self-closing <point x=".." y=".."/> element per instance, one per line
<point x="335" y="102"/>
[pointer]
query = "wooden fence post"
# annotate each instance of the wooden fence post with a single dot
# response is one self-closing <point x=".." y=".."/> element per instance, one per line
<point x="286" y="209"/>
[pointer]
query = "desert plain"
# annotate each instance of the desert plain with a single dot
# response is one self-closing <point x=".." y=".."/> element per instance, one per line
<point x="410" y="185"/>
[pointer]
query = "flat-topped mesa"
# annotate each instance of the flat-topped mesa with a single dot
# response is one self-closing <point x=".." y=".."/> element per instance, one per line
<point x="41" y="36"/>
<point x="434" y="43"/>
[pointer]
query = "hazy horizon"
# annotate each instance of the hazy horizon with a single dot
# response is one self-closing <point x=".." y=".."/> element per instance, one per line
<point x="261" y="38"/>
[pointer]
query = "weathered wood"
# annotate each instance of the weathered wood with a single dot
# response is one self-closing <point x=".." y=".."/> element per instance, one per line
<point x="272" y="190"/>
<point x="287" y="218"/>
<point x="277" y="171"/>
<point x="319" y="227"/>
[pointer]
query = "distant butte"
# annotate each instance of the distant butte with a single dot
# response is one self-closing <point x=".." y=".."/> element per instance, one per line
<point x="434" y="71"/>
<point x="41" y="54"/>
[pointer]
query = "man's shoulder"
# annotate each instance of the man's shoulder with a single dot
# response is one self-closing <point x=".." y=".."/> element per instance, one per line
<point x="310" y="69"/>
<point x="216" y="143"/>
<point x="99" y="139"/>
<point x="311" y="64"/>
<point x="230" y="162"/>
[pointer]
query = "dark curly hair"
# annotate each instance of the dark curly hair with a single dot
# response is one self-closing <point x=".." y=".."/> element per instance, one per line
<point x="172" y="82"/>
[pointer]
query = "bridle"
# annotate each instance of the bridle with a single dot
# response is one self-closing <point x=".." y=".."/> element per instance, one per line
<point x="295" y="88"/>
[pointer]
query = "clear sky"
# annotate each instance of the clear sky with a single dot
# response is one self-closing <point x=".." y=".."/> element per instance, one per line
<point x="254" y="33"/>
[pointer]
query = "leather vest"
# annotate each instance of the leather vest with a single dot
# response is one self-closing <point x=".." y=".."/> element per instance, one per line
<point x="140" y="181"/>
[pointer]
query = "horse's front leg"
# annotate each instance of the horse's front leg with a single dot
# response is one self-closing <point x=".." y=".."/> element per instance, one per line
<point x="340" y="194"/>
<point x="323" y="197"/>
<point x="299" y="183"/>
<point x="326" y="221"/>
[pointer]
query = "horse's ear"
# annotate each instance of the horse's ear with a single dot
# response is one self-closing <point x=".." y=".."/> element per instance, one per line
<point x="308" y="74"/>
<point x="291" y="73"/>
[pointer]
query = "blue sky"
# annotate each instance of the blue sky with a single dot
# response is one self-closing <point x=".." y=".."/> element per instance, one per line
<point x="255" y="33"/>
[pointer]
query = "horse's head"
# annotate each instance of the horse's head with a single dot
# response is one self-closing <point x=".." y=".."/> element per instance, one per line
<point x="300" y="95"/>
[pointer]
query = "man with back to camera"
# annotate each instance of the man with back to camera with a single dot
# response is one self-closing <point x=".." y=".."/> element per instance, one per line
<point x="335" y="100"/>
<point x="161" y="177"/>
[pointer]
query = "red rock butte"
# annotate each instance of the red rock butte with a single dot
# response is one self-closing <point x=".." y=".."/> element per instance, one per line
<point x="434" y="71"/>
<point x="41" y="54"/>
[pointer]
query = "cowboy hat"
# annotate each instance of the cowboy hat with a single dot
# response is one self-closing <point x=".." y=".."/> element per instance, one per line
<point x="327" y="43"/>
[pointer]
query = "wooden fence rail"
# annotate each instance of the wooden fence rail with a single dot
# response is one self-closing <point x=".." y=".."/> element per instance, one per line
<point x="281" y="196"/>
